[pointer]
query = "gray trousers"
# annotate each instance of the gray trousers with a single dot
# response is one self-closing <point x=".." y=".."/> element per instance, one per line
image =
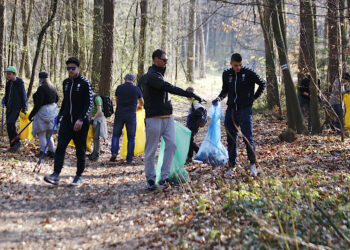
<point x="155" y="129"/>
<point x="43" y="136"/>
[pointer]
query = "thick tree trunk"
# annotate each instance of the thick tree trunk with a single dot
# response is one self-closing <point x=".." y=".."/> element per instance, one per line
<point x="108" y="48"/>
<point x="40" y="38"/>
<point x="97" y="44"/>
<point x="295" y="118"/>
<point x="333" y="40"/>
<point x="310" y="62"/>
<point x="191" y="41"/>
<point x="12" y="34"/>
<point x="75" y="18"/>
<point x="142" y="38"/>
<point x="343" y="32"/>
<point x="69" y="29"/>
<point x="165" y="4"/>
<point x="82" y="38"/>
<point x="273" y="98"/>
<point x="24" y="65"/>
<point x="2" y="32"/>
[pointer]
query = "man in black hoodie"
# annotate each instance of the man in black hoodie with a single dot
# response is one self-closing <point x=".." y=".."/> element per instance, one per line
<point x="76" y="106"/>
<point x="15" y="100"/>
<point x="159" y="119"/>
<point x="239" y="85"/>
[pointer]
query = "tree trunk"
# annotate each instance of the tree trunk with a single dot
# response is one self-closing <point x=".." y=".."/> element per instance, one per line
<point x="24" y="65"/>
<point x="75" y="28"/>
<point x="12" y="34"/>
<point x="108" y="48"/>
<point x="333" y="40"/>
<point x="344" y="39"/>
<point x="2" y="33"/>
<point x="69" y="30"/>
<point x="134" y="39"/>
<point x="82" y="38"/>
<point x="97" y="43"/>
<point x="310" y="61"/>
<point x="142" y="38"/>
<point x="191" y="37"/>
<point x="273" y="98"/>
<point x="37" y="52"/>
<point x="295" y="118"/>
<point x="201" y="45"/>
<point x="164" y="24"/>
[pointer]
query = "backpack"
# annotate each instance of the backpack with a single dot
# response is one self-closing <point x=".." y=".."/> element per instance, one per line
<point x="107" y="105"/>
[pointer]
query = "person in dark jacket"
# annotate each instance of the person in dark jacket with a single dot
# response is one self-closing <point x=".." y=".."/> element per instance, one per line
<point x="193" y="123"/>
<point x="44" y="113"/>
<point x="239" y="85"/>
<point x="128" y="98"/>
<point x="304" y="97"/>
<point x="15" y="100"/>
<point x="159" y="119"/>
<point x="74" y="113"/>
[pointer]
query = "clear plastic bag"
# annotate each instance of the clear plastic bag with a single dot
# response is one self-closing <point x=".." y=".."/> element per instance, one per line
<point x="178" y="173"/>
<point x="212" y="151"/>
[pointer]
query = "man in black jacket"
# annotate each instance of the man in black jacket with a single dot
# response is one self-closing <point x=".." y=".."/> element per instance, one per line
<point x="15" y="100"/>
<point x="76" y="106"/>
<point x="159" y="119"/>
<point x="239" y="84"/>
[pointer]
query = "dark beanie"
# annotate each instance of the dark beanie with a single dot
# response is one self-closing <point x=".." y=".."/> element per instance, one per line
<point x="43" y="75"/>
<point x="73" y="60"/>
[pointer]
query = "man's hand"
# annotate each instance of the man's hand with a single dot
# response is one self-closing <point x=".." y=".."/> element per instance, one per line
<point x="77" y="126"/>
<point x="215" y="102"/>
<point x="91" y="121"/>
<point x="139" y="108"/>
<point x="197" y="98"/>
<point x="306" y="94"/>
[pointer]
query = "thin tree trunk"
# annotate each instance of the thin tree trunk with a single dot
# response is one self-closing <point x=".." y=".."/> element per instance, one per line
<point x="295" y="118"/>
<point x="107" y="49"/>
<point x="201" y="45"/>
<point x="142" y="38"/>
<point x="273" y="99"/>
<point x="69" y="30"/>
<point x="191" y="40"/>
<point x="37" y="52"/>
<point x="97" y="44"/>
<point x="344" y="39"/>
<point x="24" y="65"/>
<point x="2" y="33"/>
<point x="81" y="32"/>
<point x="333" y="40"/>
<point x="164" y="24"/>
<point x="12" y="34"/>
<point x="134" y="39"/>
<point x="75" y="28"/>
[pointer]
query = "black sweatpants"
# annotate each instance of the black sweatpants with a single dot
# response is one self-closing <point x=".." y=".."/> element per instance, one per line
<point x="11" y="118"/>
<point x="65" y="134"/>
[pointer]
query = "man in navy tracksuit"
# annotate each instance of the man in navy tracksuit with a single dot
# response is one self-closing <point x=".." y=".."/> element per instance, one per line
<point x="76" y="106"/>
<point x="239" y="85"/>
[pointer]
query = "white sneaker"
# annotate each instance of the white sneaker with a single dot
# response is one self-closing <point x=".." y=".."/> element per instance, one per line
<point x="253" y="170"/>
<point x="229" y="173"/>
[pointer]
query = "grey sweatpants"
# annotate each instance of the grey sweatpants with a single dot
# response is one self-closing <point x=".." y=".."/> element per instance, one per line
<point x="155" y="129"/>
<point x="43" y="137"/>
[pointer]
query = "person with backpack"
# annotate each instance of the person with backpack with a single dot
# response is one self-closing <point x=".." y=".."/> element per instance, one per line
<point x="74" y="120"/>
<point x="128" y="99"/>
<point x="44" y="113"/>
<point x="239" y="85"/>
<point x="15" y="100"/>
<point x="99" y="124"/>
<point x="196" y="118"/>
<point x="159" y="119"/>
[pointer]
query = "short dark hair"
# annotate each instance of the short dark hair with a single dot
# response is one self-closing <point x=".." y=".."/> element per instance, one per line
<point x="73" y="60"/>
<point x="236" y="57"/>
<point x="157" y="53"/>
<point x="190" y="89"/>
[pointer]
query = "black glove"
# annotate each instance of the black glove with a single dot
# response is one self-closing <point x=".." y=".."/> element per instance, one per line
<point x="215" y="102"/>
<point x="30" y="117"/>
<point x="197" y="98"/>
<point x="91" y="121"/>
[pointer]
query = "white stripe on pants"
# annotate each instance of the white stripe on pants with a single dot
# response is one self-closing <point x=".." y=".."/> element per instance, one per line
<point x="155" y="129"/>
<point x="43" y="136"/>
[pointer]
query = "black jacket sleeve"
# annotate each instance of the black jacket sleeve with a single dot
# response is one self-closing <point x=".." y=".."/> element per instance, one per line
<point x="224" y="90"/>
<point x="7" y="89"/>
<point x="87" y="101"/>
<point x="262" y="85"/>
<point x="157" y="82"/>
<point x="38" y="97"/>
<point x="24" y="97"/>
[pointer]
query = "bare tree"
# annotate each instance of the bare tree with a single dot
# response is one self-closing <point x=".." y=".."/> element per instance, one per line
<point x="142" y="38"/>
<point x="2" y="31"/>
<point x="107" y="49"/>
<point x="25" y="52"/>
<point x="191" y="42"/>
<point x="165" y="4"/>
<point x="333" y="40"/>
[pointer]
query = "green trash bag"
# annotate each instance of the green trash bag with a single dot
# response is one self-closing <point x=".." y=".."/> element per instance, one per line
<point x="177" y="174"/>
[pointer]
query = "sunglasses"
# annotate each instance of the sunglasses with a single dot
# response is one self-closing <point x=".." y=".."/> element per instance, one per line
<point x="71" y="68"/>
<point x="163" y="59"/>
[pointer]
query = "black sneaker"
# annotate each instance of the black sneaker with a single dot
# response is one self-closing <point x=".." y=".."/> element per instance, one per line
<point x="53" y="179"/>
<point x="50" y="154"/>
<point x="15" y="147"/>
<point x="113" y="158"/>
<point x="93" y="157"/>
<point x="151" y="185"/>
<point x="164" y="184"/>
<point x="77" y="182"/>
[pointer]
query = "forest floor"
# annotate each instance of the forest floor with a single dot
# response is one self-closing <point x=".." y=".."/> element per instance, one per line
<point x="300" y="199"/>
